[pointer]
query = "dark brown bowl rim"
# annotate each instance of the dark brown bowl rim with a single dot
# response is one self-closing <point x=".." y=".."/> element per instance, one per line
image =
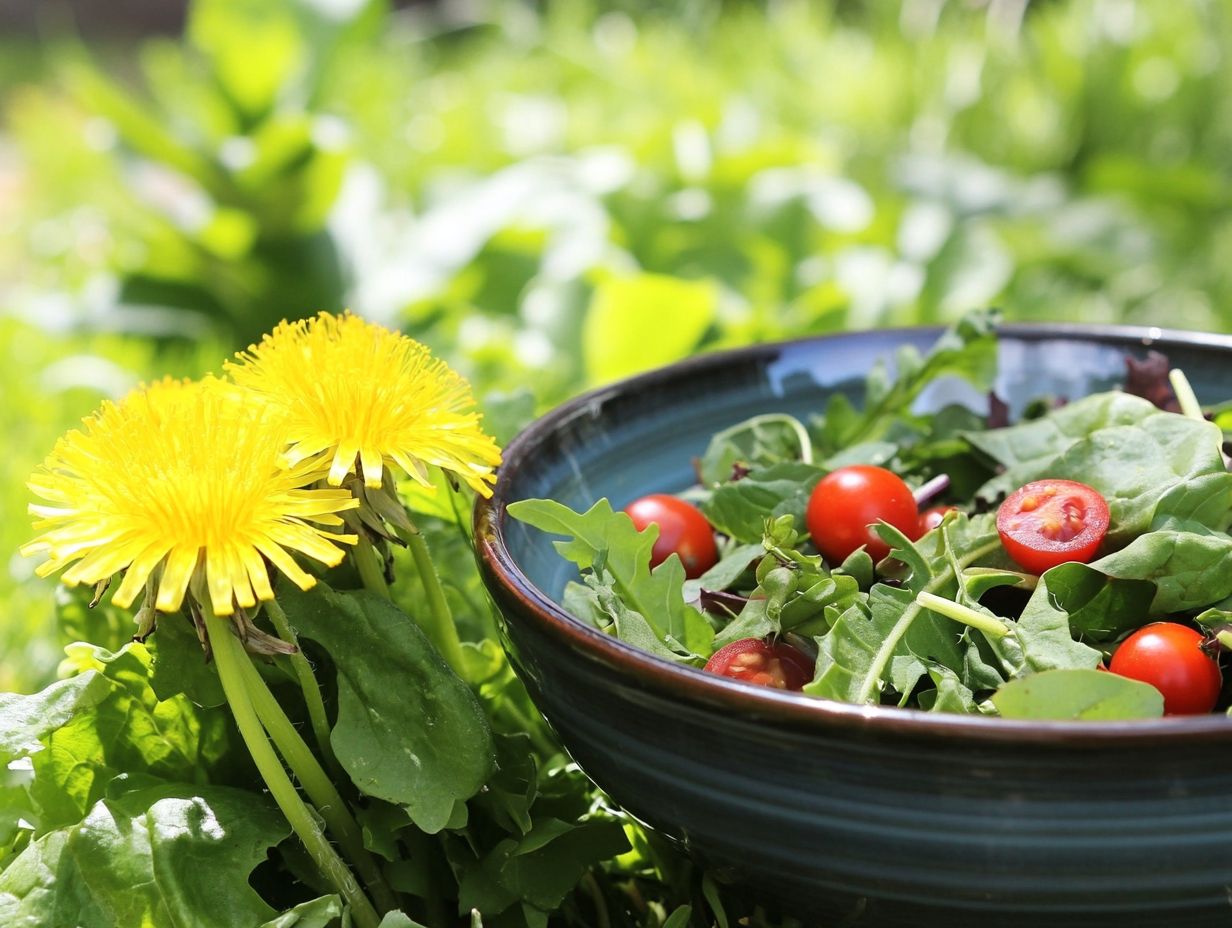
<point x="796" y="710"/>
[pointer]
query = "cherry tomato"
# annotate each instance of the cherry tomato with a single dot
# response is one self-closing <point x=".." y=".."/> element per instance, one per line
<point x="848" y="502"/>
<point x="931" y="518"/>
<point x="1170" y="658"/>
<point x="755" y="661"/>
<point x="683" y="530"/>
<point x="1050" y="522"/>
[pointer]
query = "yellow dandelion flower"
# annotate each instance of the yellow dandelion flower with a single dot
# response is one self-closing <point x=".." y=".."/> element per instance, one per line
<point x="353" y="389"/>
<point x="182" y="483"/>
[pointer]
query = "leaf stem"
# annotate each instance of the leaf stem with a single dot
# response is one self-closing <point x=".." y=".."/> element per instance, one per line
<point x="990" y="626"/>
<point x="369" y="566"/>
<point x="797" y="427"/>
<point x="1185" y="395"/>
<point x="884" y="653"/>
<point x="439" y="625"/>
<point x="230" y="659"/>
<point x="308" y="685"/>
<point x="317" y="784"/>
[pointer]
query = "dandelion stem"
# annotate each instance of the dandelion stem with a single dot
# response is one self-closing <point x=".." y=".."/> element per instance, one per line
<point x="316" y="784"/>
<point x="440" y="625"/>
<point x="230" y="659"/>
<point x="307" y="684"/>
<point x="369" y="566"/>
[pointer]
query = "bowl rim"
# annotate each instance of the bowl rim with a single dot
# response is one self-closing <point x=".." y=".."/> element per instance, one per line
<point x="796" y="710"/>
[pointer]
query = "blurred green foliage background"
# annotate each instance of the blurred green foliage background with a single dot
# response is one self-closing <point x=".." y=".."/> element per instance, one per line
<point x="565" y="193"/>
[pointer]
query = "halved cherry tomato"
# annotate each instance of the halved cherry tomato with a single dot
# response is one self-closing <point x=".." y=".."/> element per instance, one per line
<point x="1170" y="658"/>
<point x="1051" y="522"/>
<point x="683" y="530"/>
<point x="848" y="502"/>
<point x="931" y="518"/>
<point x="755" y="661"/>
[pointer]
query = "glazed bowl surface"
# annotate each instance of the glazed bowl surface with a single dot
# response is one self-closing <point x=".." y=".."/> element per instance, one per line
<point x="846" y="814"/>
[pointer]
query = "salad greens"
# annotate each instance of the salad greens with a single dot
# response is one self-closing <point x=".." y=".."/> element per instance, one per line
<point x="948" y="621"/>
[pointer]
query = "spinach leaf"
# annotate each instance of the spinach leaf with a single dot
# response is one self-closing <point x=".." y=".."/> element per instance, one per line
<point x="1188" y="569"/>
<point x="1078" y="695"/>
<point x="409" y="731"/>
<point x="1138" y="467"/>
<point x="160" y="856"/>
<point x="609" y="543"/>
<point x="740" y="508"/>
<point x="1026" y="450"/>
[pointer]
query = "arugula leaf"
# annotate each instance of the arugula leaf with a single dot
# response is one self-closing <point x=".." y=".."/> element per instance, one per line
<point x="609" y="543"/>
<point x="1071" y="592"/>
<point x="731" y="567"/>
<point x="161" y="856"/>
<point x="968" y="350"/>
<point x="1078" y="695"/>
<point x="740" y="508"/>
<point x="409" y="731"/>
<point x="891" y="639"/>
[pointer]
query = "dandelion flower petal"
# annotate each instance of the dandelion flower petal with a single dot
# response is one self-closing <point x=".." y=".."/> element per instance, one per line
<point x="182" y="485"/>
<point x="358" y="397"/>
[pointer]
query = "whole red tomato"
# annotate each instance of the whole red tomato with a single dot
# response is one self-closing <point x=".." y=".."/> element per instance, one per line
<point x="1170" y="658"/>
<point x="1051" y="522"/>
<point x="848" y="502"/>
<point x="755" y="661"/>
<point x="683" y="530"/>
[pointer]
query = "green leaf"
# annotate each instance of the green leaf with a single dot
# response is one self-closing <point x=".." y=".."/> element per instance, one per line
<point x="762" y="441"/>
<point x="624" y="309"/>
<point x="968" y="350"/>
<point x="1073" y="593"/>
<point x="730" y="568"/>
<point x="321" y="912"/>
<point x="890" y="639"/>
<point x="179" y="664"/>
<point x="1079" y="695"/>
<point x="398" y="920"/>
<point x="608" y="542"/>
<point x="1189" y="570"/>
<point x="26" y="720"/>
<point x="409" y="731"/>
<point x="740" y="508"/>
<point x="1027" y="449"/>
<point x="1138" y="467"/>
<point x="130" y="731"/>
<point x="679" y="918"/>
<point x="160" y="857"/>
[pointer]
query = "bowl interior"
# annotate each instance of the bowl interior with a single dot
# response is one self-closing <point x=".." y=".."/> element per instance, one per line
<point x="640" y="436"/>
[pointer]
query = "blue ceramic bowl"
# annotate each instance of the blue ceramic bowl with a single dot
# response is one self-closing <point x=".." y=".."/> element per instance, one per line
<point x="845" y="814"/>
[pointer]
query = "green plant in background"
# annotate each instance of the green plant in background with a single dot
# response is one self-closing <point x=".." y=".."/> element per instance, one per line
<point x="529" y="191"/>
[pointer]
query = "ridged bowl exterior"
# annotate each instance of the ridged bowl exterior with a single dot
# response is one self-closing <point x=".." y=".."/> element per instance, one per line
<point x="844" y="814"/>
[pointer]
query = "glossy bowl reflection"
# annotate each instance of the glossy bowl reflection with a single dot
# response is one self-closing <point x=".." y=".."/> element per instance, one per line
<point x="844" y="814"/>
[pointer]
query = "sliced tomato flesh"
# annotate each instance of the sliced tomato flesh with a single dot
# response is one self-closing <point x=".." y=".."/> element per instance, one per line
<point x="752" y="660"/>
<point x="1050" y="522"/>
